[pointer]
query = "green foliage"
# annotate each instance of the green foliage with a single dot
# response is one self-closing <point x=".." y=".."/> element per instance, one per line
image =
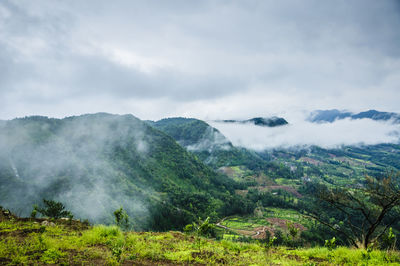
<point x="52" y="256"/>
<point x="120" y="154"/>
<point x="34" y="211"/>
<point x="202" y="228"/>
<point x="121" y="218"/>
<point x="330" y="244"/>
<point x="388" y="240"/>
<point x="22" y="244"/>
<point x="189" y="228"/>
<point x="362" y="213"/>
<point x="270" y="242"/>
<point x="53" y="209"/>
<point x="292" y="230"/>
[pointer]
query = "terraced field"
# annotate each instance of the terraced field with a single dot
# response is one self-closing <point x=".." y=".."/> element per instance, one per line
<point x="272" y="220"/>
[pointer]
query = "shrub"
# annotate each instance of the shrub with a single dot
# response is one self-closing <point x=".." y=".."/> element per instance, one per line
<point x="330" y="244"/>
<point x="388" y="240"/>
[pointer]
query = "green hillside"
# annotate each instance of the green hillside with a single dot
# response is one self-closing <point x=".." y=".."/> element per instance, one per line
<point x="96" y="163"/>
<point x="167" y="174"/>
<point x="282" y="184"/>
<point x="207" y="143"/>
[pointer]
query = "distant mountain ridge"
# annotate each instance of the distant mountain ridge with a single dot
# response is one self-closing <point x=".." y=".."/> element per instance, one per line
<point x="273" y="121"/>
<point x="329" y="116"/>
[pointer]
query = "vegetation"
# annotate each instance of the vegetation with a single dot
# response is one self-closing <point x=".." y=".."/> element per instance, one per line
<point x="106" y="160"/>
<point x="367" y="211"/>
<point x="52" y="209"/>
<point x="237" y="206"/>
<point x="26" y="241"/>
<point x="121" y="218"/>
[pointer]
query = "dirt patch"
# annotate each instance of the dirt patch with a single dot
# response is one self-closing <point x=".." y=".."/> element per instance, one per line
<point x="261" y="232"/>
<point x="242" y="192"/>
<point x="203" y="254"/>
<point x="294" y="257"/>
<point x="282" y="223"/>
<point x="317" y="259"/>
<point x="263" y="180"/>
<point x="178" y="235"/>
<point x="227" y="170"/>
<point x="148" y="262"/>
<point x="245" y="232"/>
<point x="5" y="261"/>
<point x="291" y="190"/>
<point x="76" y="225"/>
<point x="22" y="233"/>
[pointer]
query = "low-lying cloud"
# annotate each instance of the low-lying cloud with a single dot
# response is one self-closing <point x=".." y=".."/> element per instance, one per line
<point x="304" y="133"/>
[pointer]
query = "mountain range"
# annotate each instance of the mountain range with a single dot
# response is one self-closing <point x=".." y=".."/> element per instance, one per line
<point x="329" y="116"/>
<point x="260" y="121"/>
<point x="167" y="173"/>
<point x="97" y="163"/>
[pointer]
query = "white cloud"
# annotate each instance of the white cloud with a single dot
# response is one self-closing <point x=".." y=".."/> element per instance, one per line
<point x="300" y="133"/>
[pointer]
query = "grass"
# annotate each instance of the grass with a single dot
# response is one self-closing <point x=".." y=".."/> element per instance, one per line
<point x="27" y="242"/>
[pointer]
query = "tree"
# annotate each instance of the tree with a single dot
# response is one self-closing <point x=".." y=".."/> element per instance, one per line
<point x="53" y="209"/>
<point x="121" y="218"/>
<point x="362" y="214"/>
<point x="202" y="228"/>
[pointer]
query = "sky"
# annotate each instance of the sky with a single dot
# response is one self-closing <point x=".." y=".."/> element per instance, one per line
<point x="204" y="59"/>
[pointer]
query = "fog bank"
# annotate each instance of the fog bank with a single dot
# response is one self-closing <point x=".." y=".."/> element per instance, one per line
<point x="301" y="132"/>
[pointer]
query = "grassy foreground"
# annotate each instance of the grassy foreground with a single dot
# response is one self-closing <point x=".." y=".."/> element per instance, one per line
<point x="28" y="241"/>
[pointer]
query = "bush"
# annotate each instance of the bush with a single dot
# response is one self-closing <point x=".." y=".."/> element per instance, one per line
<point x="330" y="244"/>
<point x="388" y="240"/>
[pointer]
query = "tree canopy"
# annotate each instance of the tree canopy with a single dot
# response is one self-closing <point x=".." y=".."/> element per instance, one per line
<point x="364" y="213"/>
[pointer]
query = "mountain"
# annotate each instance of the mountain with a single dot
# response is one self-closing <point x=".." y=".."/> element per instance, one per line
<point x="261" y="121"/>
<point x="206" y="142"/>
<point x="193" y="134"/>
<point x="322" y="116"/>
<point x="96" y="163"/>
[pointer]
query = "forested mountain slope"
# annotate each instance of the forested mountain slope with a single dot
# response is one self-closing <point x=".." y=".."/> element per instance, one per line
<point x="207" y="143"/>
<point x="96" y="163"/>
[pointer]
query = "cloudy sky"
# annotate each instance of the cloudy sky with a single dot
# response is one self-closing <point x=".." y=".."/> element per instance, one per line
<point x="205" y="59"/>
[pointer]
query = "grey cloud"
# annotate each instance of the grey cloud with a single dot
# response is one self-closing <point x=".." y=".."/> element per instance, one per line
<point x="190" y="51"/>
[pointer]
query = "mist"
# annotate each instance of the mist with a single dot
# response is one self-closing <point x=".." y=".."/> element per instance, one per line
<point x="303" y="133"/>
<point x="71" y="161"/>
